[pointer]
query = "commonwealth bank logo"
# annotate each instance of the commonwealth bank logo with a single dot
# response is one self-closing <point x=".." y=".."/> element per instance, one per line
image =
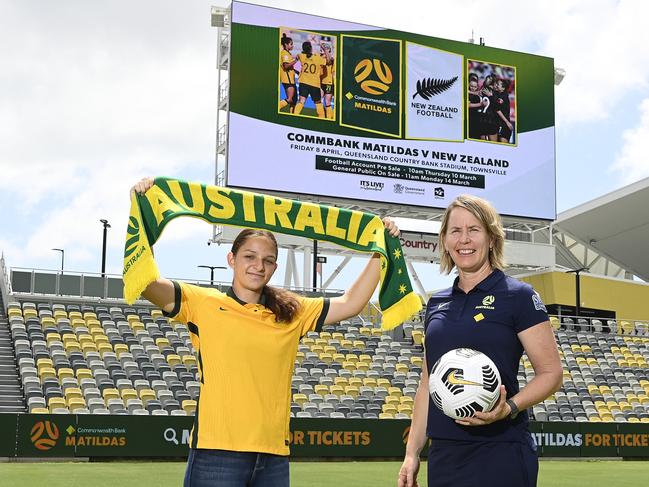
<point x="44" y="435"/>
<point x="373" y="76"/>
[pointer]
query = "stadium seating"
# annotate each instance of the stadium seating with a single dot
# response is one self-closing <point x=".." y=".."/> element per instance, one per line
<point x="89" y="359"/>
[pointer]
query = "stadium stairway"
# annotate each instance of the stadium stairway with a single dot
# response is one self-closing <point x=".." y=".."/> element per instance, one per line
<point x="11" y="394"/>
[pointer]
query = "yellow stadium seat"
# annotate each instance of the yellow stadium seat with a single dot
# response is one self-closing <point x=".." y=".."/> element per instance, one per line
<point x="47" y="321"/>
<point x="65" y="373"/>
<point x="594" y="419"/>
<point x="360" y="344"/>
<point x="308" y="341"/>
<point x="147" y="395"/>
<point x="72" y="315"/>
<point x="173" y="359"/>
<point x="401" y="368"/>
<point x="131" y="317"/>
<point x="355" y="381"/>
<point x="633" y="419"/>
<point x="389" y="408"/>
<point x="326" y="357"/>
<point x="15" y="313"/>
<point x="44" y="362"/>
<point x="395" y="391"/>
<point x="300" y="398"/>
<point x="377" y="332"/>
<point x="369" y="382"/>
<point x="72" y="392"/>
<point x="110" y="394"/>
<point x="405" y="408"/>
<point x="386" y="416"/>
<point x="189" y="406"/>
<point x="392" y="400"/>
<point x="383" y="382"/>
<point x="88" y="347"/>
<point x="138" y="327"/>
<point x="30" y="313"/>
<point x="336" y="335"/>
<point x="321" y="341"/>
<point x="56" y="402"/>
<point x="365" y="366"/>
<point x="417" y="337"/>
<point x="47" y="372"/>
<point x="417" y="361"/>
<point x="351" y="366"/>
<point x="329" y="349"/>
<point x="317" y="349"/>
<point x="129" y="394"/>
<point x="76" y="403"/>
<point x="299" y="357"/>
<point x="406" y="400"/>
<point x="120" y="348"/>
<point x="321" y="389"/>
<point x="189" y="360"/>
<point x="351" y="391"/>
<point x="156" y="313"/>
<point x="346" y="343"/>
<point x="84" y="374"/>
<point x="365" y="331"/>
<point x="555" y="322"/>
<point x="40" y="411"/>
<point x="341" y="381"/>
<point x="337" y="390"/>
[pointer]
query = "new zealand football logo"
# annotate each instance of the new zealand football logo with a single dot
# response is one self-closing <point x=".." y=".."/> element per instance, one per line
<point x="429" y="87"/>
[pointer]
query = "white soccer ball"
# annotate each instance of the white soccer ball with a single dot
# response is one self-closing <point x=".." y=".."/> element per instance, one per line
<point x="464" y="381"/>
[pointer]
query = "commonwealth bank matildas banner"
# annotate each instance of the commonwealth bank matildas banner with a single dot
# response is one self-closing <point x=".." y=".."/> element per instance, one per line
<point x="343" y="110"/>
<point x="371" y="84"/>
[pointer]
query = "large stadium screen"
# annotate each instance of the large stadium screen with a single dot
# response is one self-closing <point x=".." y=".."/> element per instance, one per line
<point x="337" y="109"/>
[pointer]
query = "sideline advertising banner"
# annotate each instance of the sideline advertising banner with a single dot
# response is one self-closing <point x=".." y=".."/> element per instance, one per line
<point x="337" y="109"/>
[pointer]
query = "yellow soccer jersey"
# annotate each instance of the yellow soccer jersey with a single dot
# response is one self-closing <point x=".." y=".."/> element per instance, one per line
<point x="246" y="365"/>
<point x="286" y="76"/>
<point x="311" y="69"/>
<point x="328" y="78"/>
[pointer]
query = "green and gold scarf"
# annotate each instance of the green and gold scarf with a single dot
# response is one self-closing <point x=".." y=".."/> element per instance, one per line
<point x="171" y="198"/>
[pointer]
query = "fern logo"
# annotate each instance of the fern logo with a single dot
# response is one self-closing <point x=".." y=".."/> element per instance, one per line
<point x="429" y="87"/>
<point x="364" y="70"/>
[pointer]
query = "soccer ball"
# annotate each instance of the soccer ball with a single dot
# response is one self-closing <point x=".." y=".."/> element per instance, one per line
<point x="464" y="381"/>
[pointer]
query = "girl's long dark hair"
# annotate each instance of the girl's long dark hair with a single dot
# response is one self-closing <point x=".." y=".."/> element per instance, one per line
<point x="285" y="40"/>
<point x="284" y="304"/>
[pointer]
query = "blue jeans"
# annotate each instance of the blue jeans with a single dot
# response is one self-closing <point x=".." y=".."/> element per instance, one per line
<point x="222" y="468"/>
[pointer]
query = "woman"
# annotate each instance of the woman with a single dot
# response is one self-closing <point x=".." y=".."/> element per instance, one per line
<point x="489" y="123"/>
<point x="475" y="106"/>
<point x="247" y="341"/>
<point x="287" y="72"/>
<point x="491" y="448"/>
<point x="327" y="81"/>
<point x="310" y="75"/>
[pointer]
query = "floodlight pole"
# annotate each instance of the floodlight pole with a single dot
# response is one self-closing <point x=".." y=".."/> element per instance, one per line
<point x="315" y="265"/>
<point x="577" y="289"/>
<point x="211" y="268"/>
<point x="103" y="247"/>
<point x="62" y="257"/>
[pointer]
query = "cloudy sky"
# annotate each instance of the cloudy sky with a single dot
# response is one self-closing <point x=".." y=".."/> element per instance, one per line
<point x="95" y="95"/>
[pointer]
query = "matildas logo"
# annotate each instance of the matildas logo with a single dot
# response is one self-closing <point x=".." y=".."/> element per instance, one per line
<point x="363" y="72"/>
<point x="44" y="435"/>
<point x="487" y="302"/>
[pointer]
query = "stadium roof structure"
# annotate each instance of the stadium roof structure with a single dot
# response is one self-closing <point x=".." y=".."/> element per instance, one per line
<point x="609" y="231"/>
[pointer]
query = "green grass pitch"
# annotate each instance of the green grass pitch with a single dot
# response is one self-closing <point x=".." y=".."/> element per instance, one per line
<point x="558" y="473"/>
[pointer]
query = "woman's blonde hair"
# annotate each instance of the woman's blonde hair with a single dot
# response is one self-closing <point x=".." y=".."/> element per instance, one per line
<point x="490" y="220"/>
